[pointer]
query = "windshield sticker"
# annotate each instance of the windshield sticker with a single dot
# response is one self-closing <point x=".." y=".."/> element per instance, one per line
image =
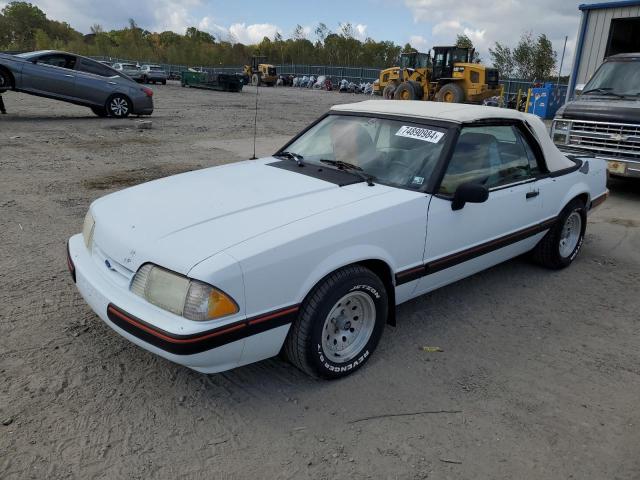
<point x="418" y="180"/>
<point x="417" y="133"/>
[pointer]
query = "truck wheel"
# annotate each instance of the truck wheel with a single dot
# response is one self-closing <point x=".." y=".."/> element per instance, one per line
<point x="339" y="324"/>
<point x="405" y="92"/>
<point x="563" y="241"/>
<point x="164" y="82"/>
<point x="118" y="106"/>
<point x="450" y="93"/>
<point x="388" y="91"/>
<point x="255" y="80"/>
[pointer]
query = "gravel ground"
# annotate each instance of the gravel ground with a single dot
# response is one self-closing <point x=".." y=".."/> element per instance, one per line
<point x="539" y="373"/>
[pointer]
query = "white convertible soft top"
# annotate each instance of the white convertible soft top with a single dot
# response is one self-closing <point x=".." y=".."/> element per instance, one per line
<point x="462" y="113"/>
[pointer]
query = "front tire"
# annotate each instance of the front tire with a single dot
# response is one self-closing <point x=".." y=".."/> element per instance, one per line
<point x="255" y="80"/>
<point x="562" y="243"/>
<point x="339" y="324"/>
<point x="118" y="106"/>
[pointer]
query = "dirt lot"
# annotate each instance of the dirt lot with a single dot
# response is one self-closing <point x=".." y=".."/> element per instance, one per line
<point x="540" y="370"/>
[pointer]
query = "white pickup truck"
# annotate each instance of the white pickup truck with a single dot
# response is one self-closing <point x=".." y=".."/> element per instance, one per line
<point x="310" y="250"/>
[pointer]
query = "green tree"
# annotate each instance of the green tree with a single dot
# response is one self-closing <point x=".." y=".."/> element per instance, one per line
<point x="463" y="41"/>
<point x="530" y="59"/>
<point x="502" y="59"/>
<point x="20" y="21"/>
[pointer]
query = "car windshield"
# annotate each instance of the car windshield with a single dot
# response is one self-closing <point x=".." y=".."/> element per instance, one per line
<point x="129" y="65"/>
<point x="394" y="152"/>
<point x="156" y="69"/>
<point x="617" y="78"/>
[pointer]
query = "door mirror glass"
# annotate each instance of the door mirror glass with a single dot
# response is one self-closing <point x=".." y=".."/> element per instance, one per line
<point x="469" y="193"/>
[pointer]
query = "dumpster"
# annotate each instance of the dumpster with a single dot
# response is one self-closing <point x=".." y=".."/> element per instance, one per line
<point x="545" y="101"/>
<point x="214" y="81"/>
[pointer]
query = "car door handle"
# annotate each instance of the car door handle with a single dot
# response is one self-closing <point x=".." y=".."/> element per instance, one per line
<point x="112" y="83"/>
<point x="533" y="194"/>
<point x="68" y="75"/>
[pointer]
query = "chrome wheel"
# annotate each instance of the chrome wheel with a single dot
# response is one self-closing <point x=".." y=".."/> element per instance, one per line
<point x="119" y="107"/>
<point x="570" y="235"/>
<point x="348" y="327"/>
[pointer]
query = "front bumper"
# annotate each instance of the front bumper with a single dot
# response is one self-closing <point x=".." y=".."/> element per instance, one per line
<point x="197" y="345"/>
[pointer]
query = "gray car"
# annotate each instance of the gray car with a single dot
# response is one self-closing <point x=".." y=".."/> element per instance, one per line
<point x="75" y="79"/>
<point x="131" y="70"/>
<point x="153" y="73"/>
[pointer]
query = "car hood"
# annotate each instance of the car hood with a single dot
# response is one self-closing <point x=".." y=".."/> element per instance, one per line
<point x="181" y="220"/>
<point x="603" y="109"/>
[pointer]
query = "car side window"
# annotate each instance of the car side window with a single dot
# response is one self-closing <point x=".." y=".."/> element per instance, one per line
<point x="95" y="68"/>
<point x="492" y="156"/>
<point x="58" y="60"/>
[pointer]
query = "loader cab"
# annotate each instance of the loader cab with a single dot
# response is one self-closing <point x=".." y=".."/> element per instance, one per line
<point x="256" y="61"/>
<point x="415" y="60"/>
<point x="445" y="57"/>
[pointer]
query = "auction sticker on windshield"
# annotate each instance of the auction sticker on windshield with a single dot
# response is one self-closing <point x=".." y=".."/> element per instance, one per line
<point x="424" y="134"/>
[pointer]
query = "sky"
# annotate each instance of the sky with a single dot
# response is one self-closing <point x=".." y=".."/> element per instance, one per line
<point x="423" y="23"/>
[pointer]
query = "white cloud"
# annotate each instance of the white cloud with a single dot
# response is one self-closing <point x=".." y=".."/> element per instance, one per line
<point x="360" y="31"/>
<point x="419" y="43"/>
<point x="501" y="20"/>
<point x="250" y="34"/>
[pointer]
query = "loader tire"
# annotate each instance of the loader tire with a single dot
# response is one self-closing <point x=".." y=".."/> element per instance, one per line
<point x="388" y="91"/>
<point x="418" y="89"/>
<point x="450" y="93"/>
<point x="405" y="92"/>
<point x="255" y="80"/>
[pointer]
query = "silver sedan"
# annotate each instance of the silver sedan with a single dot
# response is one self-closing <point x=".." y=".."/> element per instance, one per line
<point x="75" y="79"/>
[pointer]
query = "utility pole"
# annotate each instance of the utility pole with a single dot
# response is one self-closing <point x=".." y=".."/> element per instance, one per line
<point x="562" y="60"/>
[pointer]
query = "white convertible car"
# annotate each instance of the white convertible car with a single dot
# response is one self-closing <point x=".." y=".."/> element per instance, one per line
<point x="308" y="251"/>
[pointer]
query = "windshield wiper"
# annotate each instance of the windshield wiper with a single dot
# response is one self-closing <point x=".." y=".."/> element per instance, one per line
<point x="351" y="168"/>
<point x="603" y="91"/>
<point x="292" y="156"/>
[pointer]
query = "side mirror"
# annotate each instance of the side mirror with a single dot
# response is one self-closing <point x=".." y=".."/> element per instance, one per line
<point x="469" y="193"/>
<point x="578" y="90"/>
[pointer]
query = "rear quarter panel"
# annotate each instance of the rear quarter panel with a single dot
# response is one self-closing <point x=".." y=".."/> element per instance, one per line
<point x="558" y="191"/>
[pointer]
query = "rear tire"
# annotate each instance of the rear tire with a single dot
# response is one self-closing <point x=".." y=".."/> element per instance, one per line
<point x="450" y="93"/>
<point x="339" y="325"/>
<point x="562" y="243"/>
<point x="405" y="92"/>
<point x="118" y="106"/>
<point x="100" y="111"/>
<point x="255" y="80"/>
<point x="6" y="81"/>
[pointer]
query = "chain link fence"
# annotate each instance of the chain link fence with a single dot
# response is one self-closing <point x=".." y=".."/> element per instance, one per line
<point x="335" y="73"/>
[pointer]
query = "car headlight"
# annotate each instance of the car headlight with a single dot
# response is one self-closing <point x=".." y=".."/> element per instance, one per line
<point x="561" y="125"/>
<point x="88" y="227"/>
<point x="183" y="296"/>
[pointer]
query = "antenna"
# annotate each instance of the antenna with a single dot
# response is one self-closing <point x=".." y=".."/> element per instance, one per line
<point x="255" y="122"/>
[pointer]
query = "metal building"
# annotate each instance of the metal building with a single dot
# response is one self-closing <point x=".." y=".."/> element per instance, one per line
<point x="606" y="29"/>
